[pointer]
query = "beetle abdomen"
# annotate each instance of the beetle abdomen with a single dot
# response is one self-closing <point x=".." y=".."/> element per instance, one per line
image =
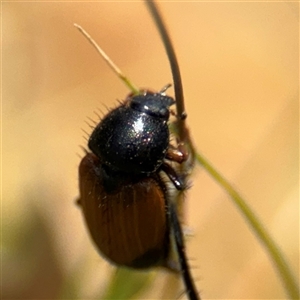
<point x="128" y="222"/>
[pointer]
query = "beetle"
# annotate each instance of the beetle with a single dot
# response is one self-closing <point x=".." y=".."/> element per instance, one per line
<point x="122" y="192"/>
<point x="126" y="199"/>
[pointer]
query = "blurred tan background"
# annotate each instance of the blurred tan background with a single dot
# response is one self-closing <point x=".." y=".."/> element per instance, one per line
<point x="240" y="69"/>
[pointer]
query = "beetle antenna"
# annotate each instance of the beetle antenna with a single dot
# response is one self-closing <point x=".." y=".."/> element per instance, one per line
<point x="110" y="63"/>
<point x="167" y="86"/>
<point x="181" y="114"/>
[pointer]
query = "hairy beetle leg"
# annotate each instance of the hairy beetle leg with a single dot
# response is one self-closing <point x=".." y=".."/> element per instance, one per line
<point x="179" y="154"/>
<point x="173" y="176"/>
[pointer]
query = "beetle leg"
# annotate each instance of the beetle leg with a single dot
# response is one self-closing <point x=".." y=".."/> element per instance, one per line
<point x="180" y="247"/>
<point x="173" y="176"/>
<point x="178" y="154"/>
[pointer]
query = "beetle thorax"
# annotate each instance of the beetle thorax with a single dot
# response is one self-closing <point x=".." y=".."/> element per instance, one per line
<point x="134" y="137"/>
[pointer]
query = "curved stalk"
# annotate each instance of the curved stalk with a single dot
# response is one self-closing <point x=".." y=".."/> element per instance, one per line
<point x="279" y="261"/>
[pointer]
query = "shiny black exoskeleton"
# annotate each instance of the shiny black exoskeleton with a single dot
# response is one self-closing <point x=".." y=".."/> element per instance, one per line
<point x="122" y="193"/>
<point x="134" y="137"/>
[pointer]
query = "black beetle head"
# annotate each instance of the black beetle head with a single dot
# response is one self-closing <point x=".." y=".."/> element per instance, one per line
<point x="156" y="105"/>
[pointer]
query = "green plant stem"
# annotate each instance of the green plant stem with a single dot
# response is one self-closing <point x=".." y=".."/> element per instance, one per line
<point x="289" y="281"/>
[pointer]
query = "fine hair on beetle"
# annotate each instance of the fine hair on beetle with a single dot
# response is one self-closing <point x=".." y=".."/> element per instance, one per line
<point x="134" y="173"/>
